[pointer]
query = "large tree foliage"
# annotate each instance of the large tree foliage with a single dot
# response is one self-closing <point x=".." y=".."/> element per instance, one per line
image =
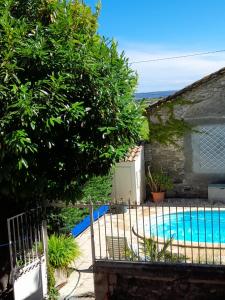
<point x="66" y="108"/>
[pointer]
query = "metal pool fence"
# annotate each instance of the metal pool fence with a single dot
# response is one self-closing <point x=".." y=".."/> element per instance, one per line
<point x="159" y="233"/>
<point x="152" y="233"/>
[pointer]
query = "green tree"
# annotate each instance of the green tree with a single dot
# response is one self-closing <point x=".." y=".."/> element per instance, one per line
<point x="67" y="111"/>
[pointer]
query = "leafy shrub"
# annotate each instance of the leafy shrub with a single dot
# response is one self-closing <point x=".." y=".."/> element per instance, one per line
<point x="144" y="131"/>
<point x="52" y="291"/>
<point x="62" y="250"/>
<point x="152" y="252"/>
<point x="61" y="221"/>
<point x="97" y="189"/>
<point x="67" y="110"/>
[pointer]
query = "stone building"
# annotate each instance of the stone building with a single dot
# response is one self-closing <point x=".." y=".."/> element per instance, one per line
<point x="201" y="159"/>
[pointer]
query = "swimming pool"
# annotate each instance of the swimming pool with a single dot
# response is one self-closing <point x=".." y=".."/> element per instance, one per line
<point x="190" y="226"/>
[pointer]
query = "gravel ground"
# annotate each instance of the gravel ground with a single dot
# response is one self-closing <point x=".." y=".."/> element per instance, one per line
<point x="189" y="202"/>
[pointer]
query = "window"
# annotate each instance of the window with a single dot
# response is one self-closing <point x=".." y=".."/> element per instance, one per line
<point x="209" y="149"/>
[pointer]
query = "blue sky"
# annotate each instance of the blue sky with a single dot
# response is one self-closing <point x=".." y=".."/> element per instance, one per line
<point x="148" y="29"/>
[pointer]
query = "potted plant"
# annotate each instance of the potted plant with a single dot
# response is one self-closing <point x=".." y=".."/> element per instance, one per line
<point x="62" y="251"/>
<point x="159" y="183"/>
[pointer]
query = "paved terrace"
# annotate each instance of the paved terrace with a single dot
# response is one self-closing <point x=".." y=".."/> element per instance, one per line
<point x="121" y="225"/>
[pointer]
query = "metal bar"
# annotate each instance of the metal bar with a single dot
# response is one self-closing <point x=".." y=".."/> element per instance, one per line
<point x="124" y="235"/>
<point x="171" y="247"/>
<point x="219" y="215"/>
<point x="27" y="240"/>
<point x="138" y="253"/>
<point x="157" y="233"/>
<point x="10" y="244"/>
<point x="82" y="205"/>
<point x="131" y="239"/>
<point x="117" y="225"/>
<point x="16" y="216"/>
<point x="191" y="225"/>
<point x="45" y="238"/>
<point x="212" y="234"/>
<point x="34" y="221"/>
<point x="18" y="235"/>
<point x="150" y="222"/>
<point x="198" y="236"/>
<point x="92" y="233"/>
<point x="163" y="219"/>
<point x="185" y="252"/>
<point x="143" y="219"/>
<point x="99" y="237"/>
<point x="206" y="252"/>
<point x="178" y="249"/>
<point x="31" y="239"/>
<point x="14" y="241"/>
<point x="23" y="243"/>
<point x="112" y="231"/>
<point x="38" y="220"/>
<point x="44" y="231"/>
<point x="106" y="249"/>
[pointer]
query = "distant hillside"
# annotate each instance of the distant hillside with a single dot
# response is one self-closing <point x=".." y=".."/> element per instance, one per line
<point x="153" y="94"/>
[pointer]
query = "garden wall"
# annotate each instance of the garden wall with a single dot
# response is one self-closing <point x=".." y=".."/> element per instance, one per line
<point x="131" y="281"/>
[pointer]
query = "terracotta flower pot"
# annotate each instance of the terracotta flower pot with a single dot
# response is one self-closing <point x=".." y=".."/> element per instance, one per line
<point x="158" y="196"/>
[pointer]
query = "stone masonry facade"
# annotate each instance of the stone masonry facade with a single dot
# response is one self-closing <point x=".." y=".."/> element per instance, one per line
<point x="133" y="281"/>
<point x="207" y="108"/>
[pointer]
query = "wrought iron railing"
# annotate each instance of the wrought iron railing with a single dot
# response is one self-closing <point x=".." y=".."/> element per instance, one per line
<point x="25" y="233"/>
<point x="151" y="233"/>
<point x="160" y="233"/>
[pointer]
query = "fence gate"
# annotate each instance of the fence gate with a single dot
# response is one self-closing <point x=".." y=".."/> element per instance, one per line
<point x="27" y="255"/>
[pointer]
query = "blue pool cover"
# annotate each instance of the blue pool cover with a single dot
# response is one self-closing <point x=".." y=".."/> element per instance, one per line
<point x="86" y="222"/>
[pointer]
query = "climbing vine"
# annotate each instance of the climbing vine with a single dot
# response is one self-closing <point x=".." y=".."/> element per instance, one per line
<point x="168" y="129"/>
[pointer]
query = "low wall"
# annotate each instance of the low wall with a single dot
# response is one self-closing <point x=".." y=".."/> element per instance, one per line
<point x="122" y="281"/>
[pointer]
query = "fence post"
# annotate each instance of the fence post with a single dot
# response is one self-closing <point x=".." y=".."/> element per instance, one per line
<point x="44" y="233"/>
<point x="10" y="251"/>
<point x="92" y="232"/>
<point x="44" y="230"/>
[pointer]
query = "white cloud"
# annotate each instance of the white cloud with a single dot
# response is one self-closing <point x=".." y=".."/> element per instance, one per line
<point x="170" y="74"/>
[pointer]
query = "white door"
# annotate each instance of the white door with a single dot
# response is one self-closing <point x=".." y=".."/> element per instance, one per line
<point x="123" y="184"/>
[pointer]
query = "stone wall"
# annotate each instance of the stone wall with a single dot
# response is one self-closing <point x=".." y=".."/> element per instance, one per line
<point x="147" y="153"/>
<point x="134" y="281"/>
<point x="207" y="108"/>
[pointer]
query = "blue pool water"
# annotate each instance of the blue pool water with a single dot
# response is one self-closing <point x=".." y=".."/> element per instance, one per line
<point x="196" y="226"/>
